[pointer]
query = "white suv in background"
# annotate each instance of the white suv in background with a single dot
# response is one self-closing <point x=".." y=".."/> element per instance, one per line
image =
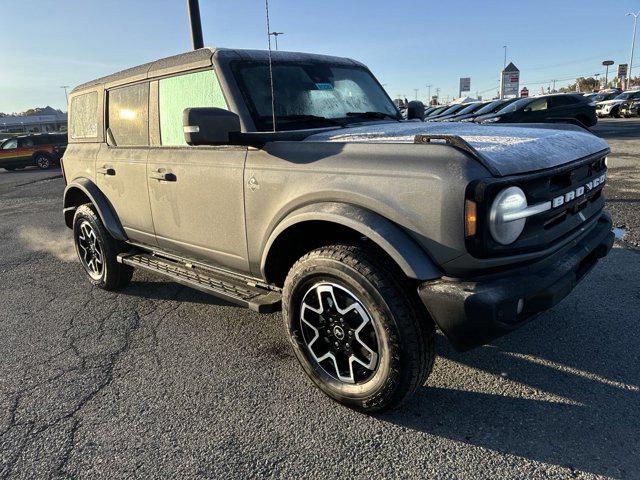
<point x="611" y="108"/>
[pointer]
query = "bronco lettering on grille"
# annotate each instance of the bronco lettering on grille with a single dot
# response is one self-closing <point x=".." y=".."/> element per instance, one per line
<point x="578" y="192"/>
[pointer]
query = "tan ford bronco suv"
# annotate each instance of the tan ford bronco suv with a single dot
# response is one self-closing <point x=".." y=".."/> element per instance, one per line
<point x="291" y="180"/>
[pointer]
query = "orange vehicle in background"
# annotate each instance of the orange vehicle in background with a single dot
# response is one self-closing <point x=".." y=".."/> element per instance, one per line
<point x="43" y="150"/>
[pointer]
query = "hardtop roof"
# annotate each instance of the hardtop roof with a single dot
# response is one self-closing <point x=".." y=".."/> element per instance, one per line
<point x="202" y="58"/>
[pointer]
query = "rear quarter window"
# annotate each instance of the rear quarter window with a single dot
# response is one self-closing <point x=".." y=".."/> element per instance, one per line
<point x="84" y="116"/>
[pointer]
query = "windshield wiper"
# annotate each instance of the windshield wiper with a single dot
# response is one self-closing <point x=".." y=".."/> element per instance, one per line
<point x="373" y="115"/>
<point x="302" y="118"/>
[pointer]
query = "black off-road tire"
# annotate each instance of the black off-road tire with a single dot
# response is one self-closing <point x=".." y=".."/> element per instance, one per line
<point x="405" y="332"/>
<point x="113" y="275"/>
<point x="42" y="161"/>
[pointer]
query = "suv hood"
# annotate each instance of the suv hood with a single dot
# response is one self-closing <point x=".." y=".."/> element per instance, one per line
<point x="508" y="149"/>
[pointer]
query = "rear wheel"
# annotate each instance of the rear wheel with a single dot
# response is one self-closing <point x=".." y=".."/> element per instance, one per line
<point x="98" y="251"/>
<point x="355" y="329"/>
<point x="43" y="161"/>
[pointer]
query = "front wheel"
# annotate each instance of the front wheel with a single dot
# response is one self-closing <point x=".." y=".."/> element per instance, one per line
<point x="355" y="328"/>
<point x="98" y="251"/>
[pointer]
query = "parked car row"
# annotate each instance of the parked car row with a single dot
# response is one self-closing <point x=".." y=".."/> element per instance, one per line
<point x="43" y="150"/>
<point x="630" y="109"/>
<point x="619" y="105"/>
<point x="556" y="108"/>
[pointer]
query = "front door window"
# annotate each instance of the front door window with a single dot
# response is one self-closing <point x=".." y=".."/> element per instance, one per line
<point x="10" y="144"/>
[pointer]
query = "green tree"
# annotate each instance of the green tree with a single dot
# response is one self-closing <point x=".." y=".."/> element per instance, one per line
<point x="588" y="84"/>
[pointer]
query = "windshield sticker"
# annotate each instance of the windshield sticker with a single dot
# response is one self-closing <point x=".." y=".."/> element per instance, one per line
<point x="324" y="86"/>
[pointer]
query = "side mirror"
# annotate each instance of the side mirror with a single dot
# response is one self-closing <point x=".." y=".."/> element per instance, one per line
<point x="415" y="109"/>
<point x="209" y="126"/>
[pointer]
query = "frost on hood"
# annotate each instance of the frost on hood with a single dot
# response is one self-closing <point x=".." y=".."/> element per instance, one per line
<point x="509" y="149"/>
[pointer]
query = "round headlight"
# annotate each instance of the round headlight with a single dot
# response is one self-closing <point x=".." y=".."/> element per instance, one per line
<point x="509" y="200"/>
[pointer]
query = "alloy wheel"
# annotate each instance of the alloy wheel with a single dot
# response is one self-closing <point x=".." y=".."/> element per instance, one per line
<point x="90" y="250"/>
<point x="338" y="333"/>
<point x="43" y="162"/>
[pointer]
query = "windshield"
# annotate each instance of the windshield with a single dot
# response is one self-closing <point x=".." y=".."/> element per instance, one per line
<point x="627" y="95"/>
<point x="311" y="95"/>
<point x="452" y="109"/>
<point x="517" y="105"/>
<point x="438" y="111"/>
<point x="490" y="107"/>
<point x="470" y="108"/>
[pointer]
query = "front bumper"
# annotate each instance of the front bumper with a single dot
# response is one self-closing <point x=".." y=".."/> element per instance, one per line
<point x="474" y="312"/>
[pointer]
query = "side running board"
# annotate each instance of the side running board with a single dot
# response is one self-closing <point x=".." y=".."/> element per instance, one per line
<point x="227" y="287"/>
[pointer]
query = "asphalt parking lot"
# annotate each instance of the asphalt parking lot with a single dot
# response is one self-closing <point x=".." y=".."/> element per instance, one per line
<point x="163" y="381"/>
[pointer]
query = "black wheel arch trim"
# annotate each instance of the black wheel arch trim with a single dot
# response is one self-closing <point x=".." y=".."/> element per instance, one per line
<point x="408" y="255"/>
<point x="100" y="202"/>
<point x="53" y="158"/>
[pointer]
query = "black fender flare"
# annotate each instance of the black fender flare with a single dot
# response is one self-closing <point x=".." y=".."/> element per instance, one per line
<point x="404" y="250"/>
<point x="37" y="153"/>
<point x="100" y="202"/>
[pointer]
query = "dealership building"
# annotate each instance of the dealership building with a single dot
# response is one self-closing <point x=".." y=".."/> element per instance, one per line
<point x="47" y="120"/>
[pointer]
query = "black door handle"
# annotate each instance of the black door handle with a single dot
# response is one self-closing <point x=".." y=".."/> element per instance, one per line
<point x="106" y="171"/>
<point x="163" y="176"/>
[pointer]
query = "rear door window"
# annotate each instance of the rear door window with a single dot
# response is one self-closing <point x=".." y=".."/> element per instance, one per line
<point x="84" y="116"/>
<point x="537" y="105"/>
<point x="200" y="89"/>
<point x="128" y="115"/>
<point x="562" y="101"/>
<point x="42" y="140"/>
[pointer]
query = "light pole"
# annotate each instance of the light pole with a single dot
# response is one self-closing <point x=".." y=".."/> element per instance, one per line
<point x="429" y="99"/>
<point x="66" y="97"/>
<point x="607" y="64"/>
<point x="633" y="44"/>
<point x="505" y="56"/>
<point x="416" y="90"/>
<point x="276" y="35"/>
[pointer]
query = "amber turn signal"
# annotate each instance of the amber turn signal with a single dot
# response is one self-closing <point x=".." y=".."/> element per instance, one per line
<point x="470" y="218"/>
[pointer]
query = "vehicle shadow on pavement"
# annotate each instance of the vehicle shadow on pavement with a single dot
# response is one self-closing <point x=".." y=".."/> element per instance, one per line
<point x="570" y="382"/>
<point x="28" y="170"/>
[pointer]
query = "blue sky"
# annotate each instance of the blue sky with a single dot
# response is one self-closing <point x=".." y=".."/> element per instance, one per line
<point x="407" y="43"/>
